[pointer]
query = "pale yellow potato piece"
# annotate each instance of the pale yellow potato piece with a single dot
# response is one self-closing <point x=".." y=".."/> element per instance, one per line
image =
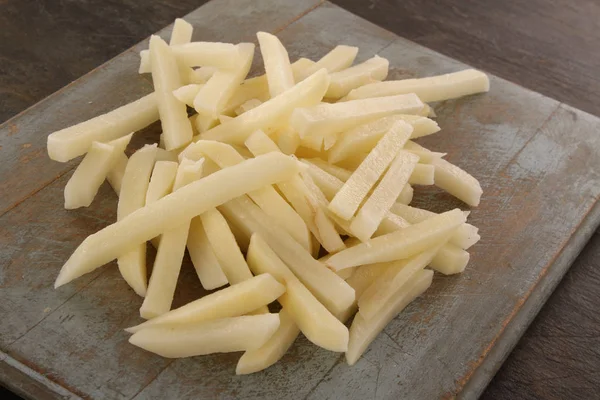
<point x="161" y="181"/>
<point x="232" y="301"/>
<point x="214" y="95"/>
<point x="328" y="183"/>
<point x="327" y="287"/>
<point x="329" y="141"/>
<point x="365" y="275"/>
<point x="434" y="88"/>
<point x="170" y="252"/>
<point x="341" y="173"/>
<point x="83" y="185"/>
<point x="450" y="259"/>
<point x="341" y="57"/>
<point x="406" y="195"/>
<point x="273" y="350"/>
<point x="386" y="285"/>
<point x="164" y="155"/>
<point x="203" y="257"/>
<point x="288" y="140"/>
<point x="390" y="223"/>
<point x="350" y="196"/>
<point x="173" y="113"/>
<point x="267" y="197"/>
<point x="68" y="143"/>
<point x="115" y="174"/>
<point x="342" y="82"/>
<point x="224" y="118"/>
<point x="363" y="331"/>
<point x="383" y="197"/>
<point x="466" y="235"/>
<point x="313" y="142"/>
<point x="181" y="33"/>
<point x="457" y="182"/>
<point x="210" y="54"/>
<point x="364" y="137"/>
<point x="247" y="106"/>
<point x="400" y="244"/>
<point x="200" y="75"/>
<point x="132" y="259"/>
<point x="277" y="63"/>
<point x="186" y="94"/>
<point x="425" y="156"/>
<point x="314" y="320"/>
<point x="220" y="336"/>
<point x="330" y="119"/>
<point x="225" y="247"/>
<point x="330" y="238"/>
<point x="423" y="174"/>
<point x="272" y="113"/>
<point x="175" y="209"/>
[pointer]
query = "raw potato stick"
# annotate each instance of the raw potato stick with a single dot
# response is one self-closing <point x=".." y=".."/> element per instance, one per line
<point x="71" y="142"/>
<point x="329" y="119"/>
<point x="203" y="257"/>
<point x="277" y="63"/>
<point x="161" y="181"/>
<point x="450" y="259"/>
<point x="314" y="320"/>
<point x="170" y="251"/>
<point x="182" y="32"/>
<point x="247" y="106"/>
<point x="272" y="113"/>
<point x="174" y="209"/>
<point x="434" y="88"/>
<point x="406" y="195"/>
<point x="220" y="336"/>
<point x="232" y="301"/>
<point x="364" y="137"/>
<point x="92" y="171"/>
<point x="341" y="57"/>
<point x="373" y="70"/>
<point x="214" y="95"/>
<point x="115" y="175"/>
<point x="457" y="182"/>
<point x="132" y="197"/>
<point x="176" y="127"/>
<point x="374" y="210"/>
<point x="186" y="94"/>
<point x="197" y="54"/>
<point x="423" y="174"/>
<point x="327" y="287"/>
<point x="348" y="199"/>
<point x="363" y="331"/>
<point x="272" y="351"/>
<point x="400" y="244"/>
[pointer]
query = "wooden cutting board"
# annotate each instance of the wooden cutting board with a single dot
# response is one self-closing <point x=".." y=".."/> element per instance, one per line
<point x="537" y="160"/>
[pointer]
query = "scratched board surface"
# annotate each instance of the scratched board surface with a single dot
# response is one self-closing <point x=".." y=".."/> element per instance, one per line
<point x="537" y="161"/>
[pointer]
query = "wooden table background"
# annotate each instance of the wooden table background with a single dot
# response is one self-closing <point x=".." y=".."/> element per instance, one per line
<point x="549" y="46"/>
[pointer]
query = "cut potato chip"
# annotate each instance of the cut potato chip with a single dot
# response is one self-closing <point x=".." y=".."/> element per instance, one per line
<point x="330" y="119"/>
<point x="400" y="244"/>
<point x="373" y="70"/>
<point x="288" y="140"/>
<point x="200" y="75"/>
<point x="341" y="57"/>
<point x="363" y="331"/>
<point x="71" y="142"/>
<point x="203" y="257"/>
<point x="220" y="336"/>
<point x="377" y="206"/>
<point x="132" y="259"/>
<point x="340" y="173"/>
<point x="457" y="182"/>
<point x="182" y="32"/>
<point x="115" y="174"/>
<point x="434" y="88"/>
<point x="212" y="98"/>
<point x="272" y="113"/>
<point x="173" y="114"/>
<point x="161" y="181"/>
<point x="272" y="351"/>
<point x="232" y="301"/>
<point x="83" y="185"/>
<point x="364" y="137"/>
<point x="277" y="63"/>
<point x="186" y="94"/>
<point x="348" y="198"/>
<point x="327" y="287"/>
<point x="423" y="174"/>
<point x="209" y="54"/>
<point x="450" y="259"/>
<point x="406" y="195"/>
<point x="314" y="320"/>
<point x="247" y="106"/>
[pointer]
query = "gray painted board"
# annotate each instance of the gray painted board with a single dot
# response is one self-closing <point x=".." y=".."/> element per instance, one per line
<point x="537" y="161"/>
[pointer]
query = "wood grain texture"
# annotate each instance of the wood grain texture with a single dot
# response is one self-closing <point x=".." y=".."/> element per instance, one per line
<point x="520" y="156"/>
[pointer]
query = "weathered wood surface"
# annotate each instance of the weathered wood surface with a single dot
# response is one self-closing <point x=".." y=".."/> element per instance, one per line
<point x="537" y="160"/>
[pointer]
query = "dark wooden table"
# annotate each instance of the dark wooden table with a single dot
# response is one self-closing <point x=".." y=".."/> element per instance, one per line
<point x="548" y="46"/>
